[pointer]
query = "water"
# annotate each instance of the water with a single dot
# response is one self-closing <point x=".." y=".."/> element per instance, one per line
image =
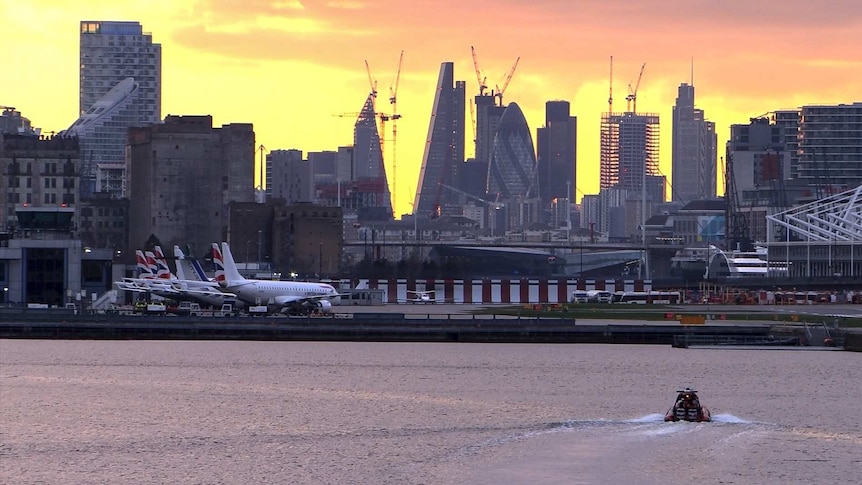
<point x="320" y="412"/>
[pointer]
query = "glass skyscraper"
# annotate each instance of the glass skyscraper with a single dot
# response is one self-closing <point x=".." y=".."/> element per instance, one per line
<point x="694" y="151"/>
<point x="444" y="148"/>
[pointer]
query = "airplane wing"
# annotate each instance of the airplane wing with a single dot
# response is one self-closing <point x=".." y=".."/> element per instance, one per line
<point x="206" y="292"/>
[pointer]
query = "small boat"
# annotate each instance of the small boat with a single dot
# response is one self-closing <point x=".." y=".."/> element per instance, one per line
<point x="687" y="408"/>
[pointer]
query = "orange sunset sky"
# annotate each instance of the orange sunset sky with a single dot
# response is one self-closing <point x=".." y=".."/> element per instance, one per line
<point x="289" y="66"/>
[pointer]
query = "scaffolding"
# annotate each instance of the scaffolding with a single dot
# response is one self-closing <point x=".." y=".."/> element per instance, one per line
<point x="629" y="145"/>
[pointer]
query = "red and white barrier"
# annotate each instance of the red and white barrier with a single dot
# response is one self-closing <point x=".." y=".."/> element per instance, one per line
<point x="495" y="291"/>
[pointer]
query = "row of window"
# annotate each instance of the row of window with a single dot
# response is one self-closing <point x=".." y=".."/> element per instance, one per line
<point x="51" y="198"/>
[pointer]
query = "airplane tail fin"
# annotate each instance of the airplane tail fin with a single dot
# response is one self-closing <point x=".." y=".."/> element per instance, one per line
<point x="181" y="261"/>
<point x="198" y="270"/>
<point x="142" y="266"/>
<point x="163" y="271"/>
<point x="218" y="260"/>
<point x="151" y="263"/>
<point x="230" y="271"/>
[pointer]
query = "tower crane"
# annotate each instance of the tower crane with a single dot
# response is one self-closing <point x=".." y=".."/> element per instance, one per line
<point x="393" y="100"/>
<point x="500" y="91"/>
<point x="383" y="116"/>
<point x="611" y="89"/>
<point x="632" y="98"/>
<point x="479" y="77"/>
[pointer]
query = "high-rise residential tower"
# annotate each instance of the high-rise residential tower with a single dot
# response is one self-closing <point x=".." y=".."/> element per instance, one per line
<point x="111" y="53"/>
<point x="556" y="154"/>
<point x="444" y="148"/>
<point x="694" y="153"/>
<point x="830" y="146"/>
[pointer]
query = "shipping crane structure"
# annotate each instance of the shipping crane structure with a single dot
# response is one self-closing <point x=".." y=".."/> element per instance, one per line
<point x="632" y="98"/>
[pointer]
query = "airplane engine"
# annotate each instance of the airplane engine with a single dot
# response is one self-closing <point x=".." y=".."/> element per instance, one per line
<point x="324" y="306"/>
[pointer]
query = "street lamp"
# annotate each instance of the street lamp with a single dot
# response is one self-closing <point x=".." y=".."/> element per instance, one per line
<point x="5" y="295"/>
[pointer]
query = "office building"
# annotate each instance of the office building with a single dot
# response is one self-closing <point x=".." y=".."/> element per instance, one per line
<point x="693" y="154"/>
<point x="512" y="171"/>
<point x="444" y="148"/>
<point x="556" y="159"/>
<point x="488" y="114"/>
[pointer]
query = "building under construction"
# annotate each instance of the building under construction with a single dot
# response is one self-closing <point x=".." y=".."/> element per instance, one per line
<point x="629" y="160"/>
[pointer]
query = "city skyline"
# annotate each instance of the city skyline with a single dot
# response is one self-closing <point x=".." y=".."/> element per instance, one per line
<point x="238" y="63"/>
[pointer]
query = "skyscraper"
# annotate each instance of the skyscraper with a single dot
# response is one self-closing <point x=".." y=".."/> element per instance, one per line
<point x="629" y="151"/>
<point x="694" y="151"/>
<point x="556" y="154"/>
<point x="444" y="147"/>
<point x="367" y="154"/>
<point x="488" y="115"/>
<point x="111" y="53"/>
<point x="512" y="172"/>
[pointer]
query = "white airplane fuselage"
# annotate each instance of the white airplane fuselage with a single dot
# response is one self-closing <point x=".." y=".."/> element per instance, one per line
<point x="262" y="292"/>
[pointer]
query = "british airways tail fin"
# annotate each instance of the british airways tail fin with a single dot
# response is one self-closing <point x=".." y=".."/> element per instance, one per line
<point x="142" y="266"/>
<point x="230" y="271"/>
<point x="151" y="263"/>
<point x="218" y="261"/>
<point x="163" y="271"/>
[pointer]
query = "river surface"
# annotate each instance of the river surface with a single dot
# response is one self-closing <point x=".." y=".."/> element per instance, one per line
<point x="106" y="412"/>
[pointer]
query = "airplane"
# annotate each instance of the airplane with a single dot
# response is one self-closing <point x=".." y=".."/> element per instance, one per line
<point x="156" y="278"/>
<point x="291" y="297"/>
<point x="197" y="285"/>
<point x="420" y="297"/>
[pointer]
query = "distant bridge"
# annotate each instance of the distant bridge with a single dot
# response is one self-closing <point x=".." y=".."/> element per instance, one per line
<point x="569" y="245"/>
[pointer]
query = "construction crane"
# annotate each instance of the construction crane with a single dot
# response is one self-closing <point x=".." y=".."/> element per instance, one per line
<point x="479" y="77"/>
<point x="384" y="117"/>
<point x="611" y="89"/>
<point x="632" y="98"/>
<point x="500" y="91"/>
<point x="393" y="100"/>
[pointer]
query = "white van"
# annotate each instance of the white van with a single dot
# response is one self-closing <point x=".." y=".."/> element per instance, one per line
<point x="580" y="297"/>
